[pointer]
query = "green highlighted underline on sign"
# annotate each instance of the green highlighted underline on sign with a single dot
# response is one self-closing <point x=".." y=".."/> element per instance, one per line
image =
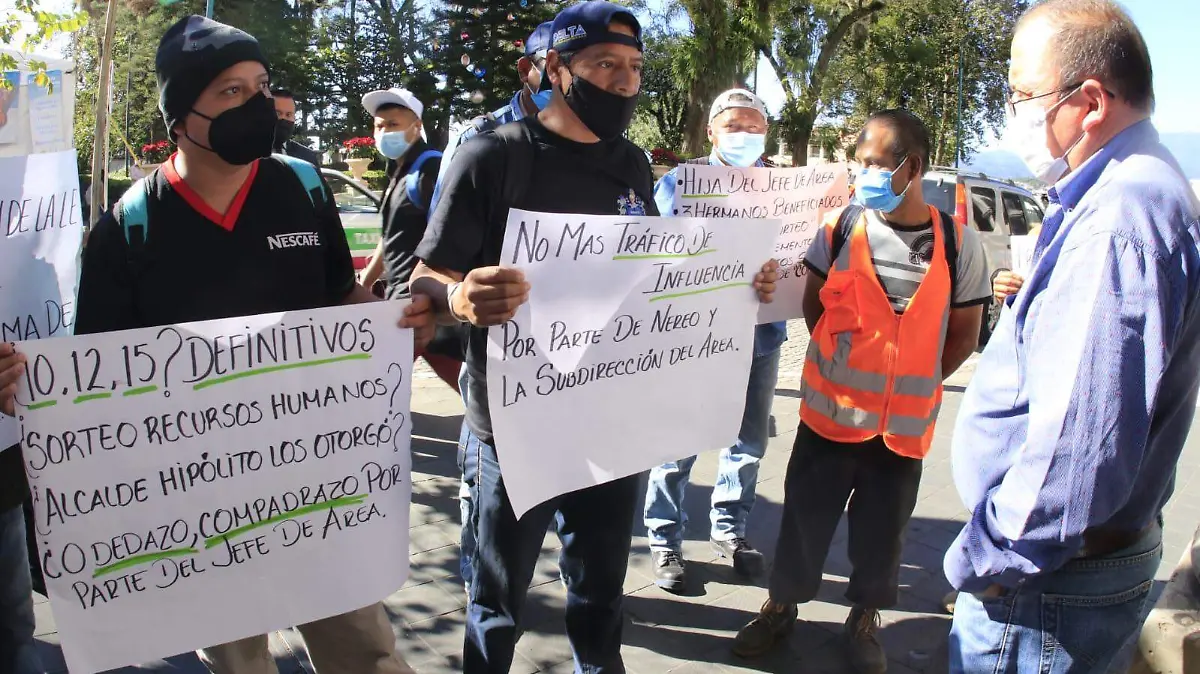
<point x="278" y="368"/>
<point x="665" y="256"/>
<point x="42" y="405"/>
<point x="327" y="505"/>
<point x="142" y="559"/>
<point x="705" y="196"/>
<point x="92" y="396"/>
<point x="698" y="292"/>
<point x="140" y="391"/>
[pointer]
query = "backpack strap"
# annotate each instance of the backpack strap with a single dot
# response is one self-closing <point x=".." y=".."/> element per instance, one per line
<point x="309" y="177"/>
<point x="849" y="217"/>
<point x="412" y="181"/>
<point x="953" y="238"/>
<point x="135" y="214"/>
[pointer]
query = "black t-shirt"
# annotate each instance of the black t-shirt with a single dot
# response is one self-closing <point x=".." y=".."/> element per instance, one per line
<point x="467" y="229"/>
<point x="271" y="251"/>
<point x="404" y="221"/>
<point x="13" y="488"/>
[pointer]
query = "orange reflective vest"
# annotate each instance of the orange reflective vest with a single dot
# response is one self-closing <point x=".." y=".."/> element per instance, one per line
<point x="870" y="372"/>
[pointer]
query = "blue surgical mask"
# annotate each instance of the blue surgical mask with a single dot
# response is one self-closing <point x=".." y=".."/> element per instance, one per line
<point x="873" y="189"/>
<point x="392" y="144"/>
<point x="741" y="149"/>
<point x="542" y="98"/>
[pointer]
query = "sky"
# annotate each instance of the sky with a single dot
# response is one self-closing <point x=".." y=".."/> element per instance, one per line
<point x="1169" y="27"/>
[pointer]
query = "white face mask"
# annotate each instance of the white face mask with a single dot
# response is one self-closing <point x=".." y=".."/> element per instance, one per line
<point x="1026" y="136"/>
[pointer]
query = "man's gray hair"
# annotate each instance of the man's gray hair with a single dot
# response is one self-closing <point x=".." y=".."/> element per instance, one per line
<point x="1096" y="39"/>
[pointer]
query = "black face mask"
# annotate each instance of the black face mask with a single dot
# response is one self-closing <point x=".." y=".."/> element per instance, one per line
<point x="283" y="131"/>
<point x="242" y="134"/>
<point x="606" y="114"/>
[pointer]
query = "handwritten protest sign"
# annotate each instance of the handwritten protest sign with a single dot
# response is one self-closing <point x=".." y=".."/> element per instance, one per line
<point x="237" y="476"/>
<point x="798" y="198"/>
<point x="1022" y="254"/>
<point x="39" y="251"/>
<point x="634" y="348"/>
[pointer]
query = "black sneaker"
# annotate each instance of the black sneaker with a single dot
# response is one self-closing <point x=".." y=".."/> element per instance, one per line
<point x="772" y="625"/>
<point x="862" y="644"/>
<point x="746" y="560"/>
<point x="669" y="573"/>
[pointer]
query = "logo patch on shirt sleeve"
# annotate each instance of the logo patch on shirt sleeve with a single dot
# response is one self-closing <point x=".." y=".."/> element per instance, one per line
<point x="631" y="204"/>
<point x="294" y="240"/>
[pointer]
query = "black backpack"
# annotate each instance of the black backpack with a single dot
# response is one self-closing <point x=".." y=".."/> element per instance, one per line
<point x="850" y="216"/>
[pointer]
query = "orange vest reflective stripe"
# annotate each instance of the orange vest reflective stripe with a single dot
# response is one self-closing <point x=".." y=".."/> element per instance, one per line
<point x="870" y="372"/>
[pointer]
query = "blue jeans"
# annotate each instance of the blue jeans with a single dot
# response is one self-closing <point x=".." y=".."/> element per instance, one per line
<point x="1071" y="621"/>
<point x="737" y="470"/>
<point x="595" y="526"/>
<point x="466" y="466"/>
<point x="18" y="653"/>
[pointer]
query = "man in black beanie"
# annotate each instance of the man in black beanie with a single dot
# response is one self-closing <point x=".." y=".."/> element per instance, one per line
<point x="200" y="251"/>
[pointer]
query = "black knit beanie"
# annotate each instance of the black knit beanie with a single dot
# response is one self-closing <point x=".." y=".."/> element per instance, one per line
<point x="190" y="56"/>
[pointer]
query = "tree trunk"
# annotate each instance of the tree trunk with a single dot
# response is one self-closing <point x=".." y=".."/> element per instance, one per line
<point x="99" y="196"/>
<point x="798" y="138"/>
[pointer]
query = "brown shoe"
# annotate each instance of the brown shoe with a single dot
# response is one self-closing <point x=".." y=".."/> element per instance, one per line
<point x="773" y="624"/>
<point x="866" y="654"/>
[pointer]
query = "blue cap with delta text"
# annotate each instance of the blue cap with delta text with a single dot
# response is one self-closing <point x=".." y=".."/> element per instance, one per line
<point x="583" y="25"/>
<point x="539" y="40"/>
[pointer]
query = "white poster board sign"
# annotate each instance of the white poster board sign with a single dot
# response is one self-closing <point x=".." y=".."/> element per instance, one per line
<point x="45" y="111"/>
<point x="1022" y="254"/>
<point x="634" y="348"/>
<point x="42" y="229"/>
<point x="798" y="198"/>
<point x="200" y="483"/>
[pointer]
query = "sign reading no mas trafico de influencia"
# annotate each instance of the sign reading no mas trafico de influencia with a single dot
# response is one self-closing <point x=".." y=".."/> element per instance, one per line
<point x="634" y="348"/>
<point x="237" y="476"/>
<point x="797" y="198"/>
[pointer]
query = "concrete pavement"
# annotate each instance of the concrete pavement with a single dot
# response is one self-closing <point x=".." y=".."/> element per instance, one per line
<point x="684" y="634"/>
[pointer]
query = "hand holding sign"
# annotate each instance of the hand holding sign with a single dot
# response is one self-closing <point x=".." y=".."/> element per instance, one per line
<point x="12" y="366"/>
<point x="764" y="282"/>
<point x="491" y="296"/>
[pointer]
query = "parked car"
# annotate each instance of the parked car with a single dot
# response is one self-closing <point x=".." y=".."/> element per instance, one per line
<point x="996" y="209"/>
<point x="358" y="207"/>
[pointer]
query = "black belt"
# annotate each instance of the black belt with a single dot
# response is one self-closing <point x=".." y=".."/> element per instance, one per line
<point x="1101" y="541"/>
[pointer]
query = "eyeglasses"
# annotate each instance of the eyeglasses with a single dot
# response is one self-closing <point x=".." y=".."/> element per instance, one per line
<point x="1011" y="104"/>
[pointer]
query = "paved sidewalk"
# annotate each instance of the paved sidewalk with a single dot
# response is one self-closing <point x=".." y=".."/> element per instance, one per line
<point x="684" y="634"/>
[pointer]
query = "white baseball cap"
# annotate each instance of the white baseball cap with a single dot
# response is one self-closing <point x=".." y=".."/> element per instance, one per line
<point x="737" y="98"/>
<point x="402" y="97"/>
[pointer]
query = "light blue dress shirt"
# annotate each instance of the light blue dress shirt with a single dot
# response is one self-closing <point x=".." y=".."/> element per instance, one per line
<point x="1081" y="403"/>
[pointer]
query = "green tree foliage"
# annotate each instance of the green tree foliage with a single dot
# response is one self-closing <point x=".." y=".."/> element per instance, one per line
<point x="45" y="26"/>
<point x="910" y="58"/>
<point x="663" y="108"/>
<point x="478" y="49"/>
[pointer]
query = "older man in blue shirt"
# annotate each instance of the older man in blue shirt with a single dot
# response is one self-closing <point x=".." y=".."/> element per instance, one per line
<point x="737" y="127"/>
<point x="1068" y="436"/>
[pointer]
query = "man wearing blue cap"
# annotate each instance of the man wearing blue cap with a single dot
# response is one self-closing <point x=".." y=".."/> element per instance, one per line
<point x="571" y="158"/>
<point x="529" y="101"/>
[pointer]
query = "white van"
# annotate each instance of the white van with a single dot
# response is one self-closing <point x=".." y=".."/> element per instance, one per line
<point x="997" y="209"/>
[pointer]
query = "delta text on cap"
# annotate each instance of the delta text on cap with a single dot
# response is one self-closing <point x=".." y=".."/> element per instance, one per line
<point x="737" y="98"/>
<point x="191" y="54"/>
<point x="580" y="26"/>
<point x="539" y="40"/>
<point x="402" y="97"/>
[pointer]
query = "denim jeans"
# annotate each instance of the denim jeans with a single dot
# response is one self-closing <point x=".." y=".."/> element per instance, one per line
<point x="1071" y="621"/>
<point x="737" y="470"/>
<point x="18" y="654"/>
<point x="594" y="525"/>
<point x="466" y="466"/>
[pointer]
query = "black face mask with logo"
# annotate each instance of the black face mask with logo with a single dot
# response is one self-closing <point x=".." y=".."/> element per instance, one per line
<point x="606" y="114"/>
<point x="242" y="134"/>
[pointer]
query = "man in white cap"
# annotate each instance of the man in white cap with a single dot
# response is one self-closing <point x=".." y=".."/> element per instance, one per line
<point x="737" y="127"/>
<point x="412" y="175"/>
